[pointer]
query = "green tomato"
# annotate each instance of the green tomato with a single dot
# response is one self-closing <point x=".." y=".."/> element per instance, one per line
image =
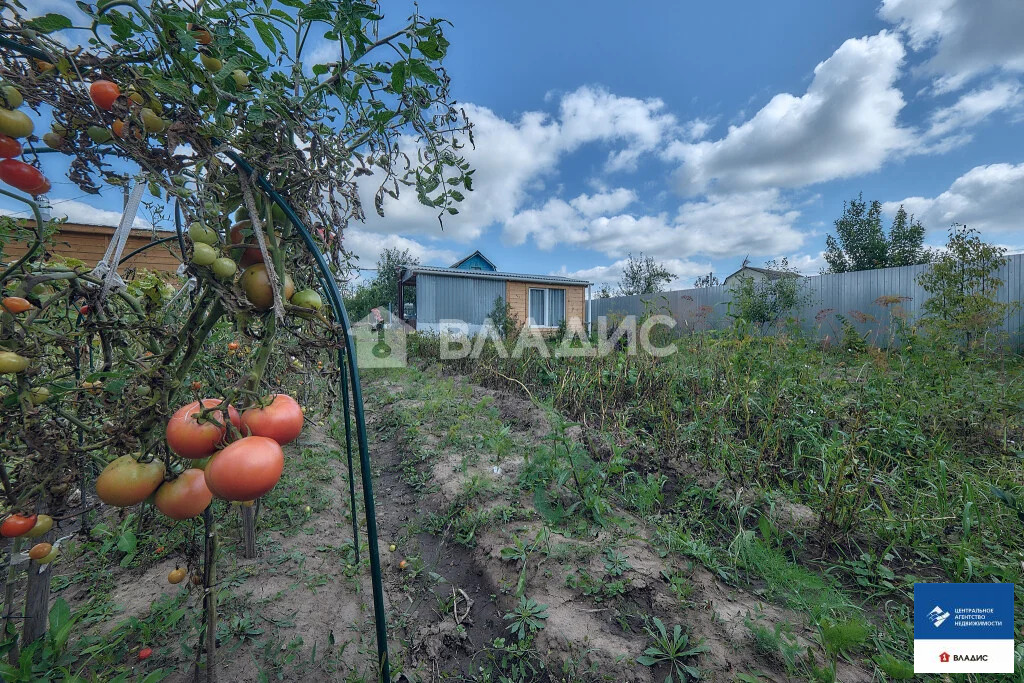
<point x="15" y="124"/>
<point x="11" y="363"/>
<point x="224" y="268"/>
<point x="308" y="298"/>
<point x="37" y="395"/>
<point x="13" y="96"/>
<point x="200" y="233"/>
<point x="50" y="557"/>
<point x="151" y="122"/>
<point x="99" y="134"/>
<point x="43" y="524"/>
<point x="203" y="254"/>
<point x="241" y="79"/>
<point x="53" y="141"/>
<point x="211" y="63"/>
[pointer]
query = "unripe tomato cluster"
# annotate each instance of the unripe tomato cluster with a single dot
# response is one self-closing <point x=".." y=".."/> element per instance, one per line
<point x="242" y="453"/>
<point x="255" y="279"/>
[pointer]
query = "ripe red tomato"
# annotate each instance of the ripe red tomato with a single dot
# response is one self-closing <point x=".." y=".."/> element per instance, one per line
<point x="241" y="233"/>
<point x="190" y="438"/>
<point x="85" y="310"/>
<point x="9" y="147"/>
<point x="40" y="550"/>
<point x="281" y="420"/>
<point x="42" y="188"/>
<point x="17" y="525"/>
<point x="20" y="175"/>
<point x="185" y="497"/>
<point x="145" y="653"/>
<point x="126" y="481"/>
<point x="103" y="93"/>
<point x="15" y="304"/>
<point x="246" y="469"/>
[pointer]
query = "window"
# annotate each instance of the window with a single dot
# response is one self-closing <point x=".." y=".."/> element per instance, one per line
<point x="547" y="307"/>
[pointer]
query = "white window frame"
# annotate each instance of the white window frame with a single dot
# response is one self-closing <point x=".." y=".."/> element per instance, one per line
<point x="546" y="324"/>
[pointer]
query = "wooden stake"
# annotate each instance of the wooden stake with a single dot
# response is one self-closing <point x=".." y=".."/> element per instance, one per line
<point x="249" y="531"/>
<point x="37" y="596"/>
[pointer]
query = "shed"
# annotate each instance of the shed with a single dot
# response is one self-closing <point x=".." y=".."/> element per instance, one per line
<point x="757" y="274"/>
<point x="447" y="298"/>
<point x="88" y="243"/>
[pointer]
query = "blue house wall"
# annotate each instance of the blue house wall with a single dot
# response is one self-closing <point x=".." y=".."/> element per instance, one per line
<point x="476" y="262"/>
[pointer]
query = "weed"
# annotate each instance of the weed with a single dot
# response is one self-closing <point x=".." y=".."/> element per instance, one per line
<point x="672" y="649"/>
<point x="527" y="618"/>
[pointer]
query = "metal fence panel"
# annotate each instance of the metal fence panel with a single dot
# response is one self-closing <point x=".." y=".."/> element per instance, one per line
<point x="868" y="299"/>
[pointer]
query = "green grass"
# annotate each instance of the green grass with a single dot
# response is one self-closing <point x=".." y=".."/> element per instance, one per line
<point x="909" y="461"/>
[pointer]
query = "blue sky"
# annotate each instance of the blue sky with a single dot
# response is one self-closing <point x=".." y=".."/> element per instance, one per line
<point x="701" y="133"/>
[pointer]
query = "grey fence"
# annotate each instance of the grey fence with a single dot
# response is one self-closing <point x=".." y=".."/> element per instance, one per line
<point x="868" y="299"/>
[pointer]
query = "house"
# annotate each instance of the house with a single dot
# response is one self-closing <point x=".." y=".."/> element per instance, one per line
<point x="466" y="292"/>
<point x="755" y="274"/>
<point x="88" y="243"/>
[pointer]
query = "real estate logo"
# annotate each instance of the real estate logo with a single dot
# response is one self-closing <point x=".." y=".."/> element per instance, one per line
<point x="963" y="628"/>
<point x="938" y="616"/>
<point x="380" y="342"/>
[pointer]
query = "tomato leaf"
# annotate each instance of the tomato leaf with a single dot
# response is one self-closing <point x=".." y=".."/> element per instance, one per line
<point x="48" y="23"/>
<point x="266" y="35"/>
<point x="398" y="77"/>
<point x="423" y="72"/>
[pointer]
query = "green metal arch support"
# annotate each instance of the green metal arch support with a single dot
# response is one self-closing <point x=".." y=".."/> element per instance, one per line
<point x="349" y="380"/>
<point x="346" y="360"/>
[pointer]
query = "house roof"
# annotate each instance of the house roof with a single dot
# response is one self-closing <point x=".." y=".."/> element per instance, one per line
<point x="475" y="253"/>
<point x="767" y="272"/>
<point x="413" y="271"/>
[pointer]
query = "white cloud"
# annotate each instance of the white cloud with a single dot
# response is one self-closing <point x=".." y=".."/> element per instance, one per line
<point x="720" y="225"/>
<point x="969" y="37"/>
<point x="697" y="128"/>
<point x="593" y="114"/>
<point x="684" y="271"/>
<point x="513" y="158"/>
<point x="80" y="212"/>
<point x="845" y="124"/>
<point x="368" y="246"/>
<point x="604" y="202"/>
<point x="989" y="198"/>
<point x="972" y="108"/>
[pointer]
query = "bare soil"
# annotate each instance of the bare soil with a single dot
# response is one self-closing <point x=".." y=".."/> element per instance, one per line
<point x="313" y="609"/>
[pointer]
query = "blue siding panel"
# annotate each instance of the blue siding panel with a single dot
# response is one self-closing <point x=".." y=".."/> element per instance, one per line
<point x="455" y="298"/>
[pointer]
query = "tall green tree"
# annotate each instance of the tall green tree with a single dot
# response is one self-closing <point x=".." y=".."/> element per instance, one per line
<point x="383" y="288"/>
<point x="643" y="275"/>
<point x="963" y="284"/>
<point x="861" y="243"/>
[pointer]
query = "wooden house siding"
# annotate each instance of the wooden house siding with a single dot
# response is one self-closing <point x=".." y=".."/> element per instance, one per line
<point x="517" y="295"/>
<point x="88" y="243"/>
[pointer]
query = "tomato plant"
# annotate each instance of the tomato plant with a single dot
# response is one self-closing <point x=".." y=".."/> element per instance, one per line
<point x="94" y="373"/>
